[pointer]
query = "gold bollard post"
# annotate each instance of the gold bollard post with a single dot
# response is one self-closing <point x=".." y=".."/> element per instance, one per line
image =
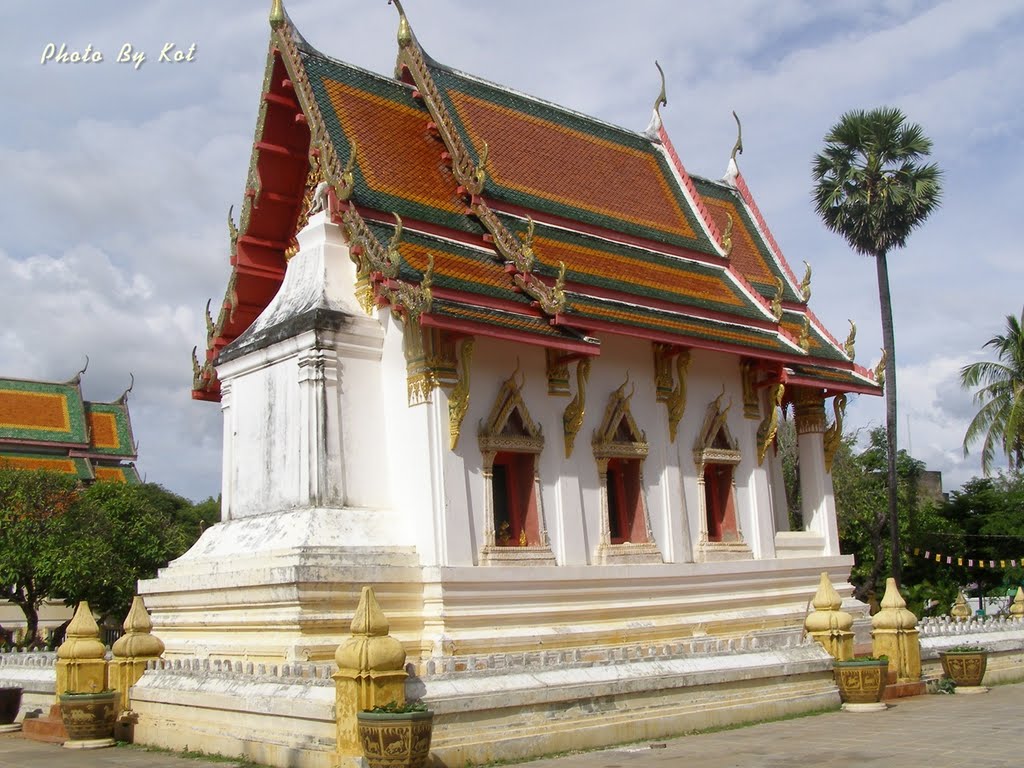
<point x="371" y="670"/>
<point x="81" y="658"/>
<point x="829" y="625"/>
<point x="894" y="634"/>
<point x="132" y="651"/>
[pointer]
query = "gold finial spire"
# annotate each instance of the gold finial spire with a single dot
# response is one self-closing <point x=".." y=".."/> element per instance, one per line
<point x="276" y="13"/>
<point x="404" y="30"/>
<point x="737" y="148"/>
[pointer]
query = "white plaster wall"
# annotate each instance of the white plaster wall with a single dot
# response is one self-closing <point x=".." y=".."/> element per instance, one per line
<point x="708" y="374"/>
<point x="264" y="474"/>
<point x="570" y="487"/>
<point x="362" y="473"/>
<point x="415" y="439"/>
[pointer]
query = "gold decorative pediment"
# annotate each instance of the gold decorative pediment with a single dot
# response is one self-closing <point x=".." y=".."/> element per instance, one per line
<point x="619" y="436"/>
<point x="715" y="443"/>
<point x="509" y="426"/>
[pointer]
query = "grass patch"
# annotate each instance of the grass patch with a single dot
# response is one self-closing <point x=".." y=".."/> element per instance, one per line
<point x="191" y="754"/>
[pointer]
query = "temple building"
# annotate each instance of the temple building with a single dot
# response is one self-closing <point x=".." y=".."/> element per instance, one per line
<point x="49" y="425"/>
<point x="522" y="372"/>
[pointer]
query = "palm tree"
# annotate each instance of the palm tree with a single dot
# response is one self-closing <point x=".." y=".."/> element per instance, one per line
<point x="871" y="187"/>
<point x="1001" y="397"/>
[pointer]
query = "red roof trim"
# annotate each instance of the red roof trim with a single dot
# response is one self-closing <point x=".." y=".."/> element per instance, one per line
<point x="744" y="190"/>
<point x="471" y="328"/>
<point x="667" y="306"/>
<point x="833" y="386"/>
<point x="702" y="210"/>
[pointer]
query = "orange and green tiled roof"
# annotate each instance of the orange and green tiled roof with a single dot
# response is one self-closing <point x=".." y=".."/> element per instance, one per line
<point x="473" y="271"/>
<point x="116" y="473"/>
<point x="636" y="233"/>
<point x="645" y="273"/>
<point x="688" y="328"/>
<point x="42" y="412"/>
<point x="65" y="465"/>
<point x="750" y="255"/>
<point x="543" y="157"/>
<point x="110" y="429"/>
<point x="379" y="115"/>
<point x="843" y="380"/>
<point x="819" y="345"/>
<point x="525" y="325"/>
<point x="48" y="426"/>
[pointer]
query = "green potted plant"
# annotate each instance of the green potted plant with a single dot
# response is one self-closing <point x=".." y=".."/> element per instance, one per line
<point x="396" y="735"/>
<point x="90" y="717"/>
<point x="862" y="681"/>
<point x="965" y="665"/>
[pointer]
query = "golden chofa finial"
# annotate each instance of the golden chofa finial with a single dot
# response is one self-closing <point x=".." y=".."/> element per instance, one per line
<point x="662" y="99"/>
<point x="651" y="132"/>
<point x="404" y="30"/>
<point x="276" y="13"/>
<point x="737" y="148"/>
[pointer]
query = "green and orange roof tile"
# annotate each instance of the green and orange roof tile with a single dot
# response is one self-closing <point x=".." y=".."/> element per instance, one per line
<point x="640" y="238"/>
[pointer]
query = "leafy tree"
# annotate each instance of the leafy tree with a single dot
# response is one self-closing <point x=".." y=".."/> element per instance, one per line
<point x="859" y="482"/>
<point x="871" y="187"/>
<point x="1001" y="397"/>
<point x="133" y="531"/>
<point x="36" y="511"/>
<point x="60" y="540"/>
<point x="990" y="511"/>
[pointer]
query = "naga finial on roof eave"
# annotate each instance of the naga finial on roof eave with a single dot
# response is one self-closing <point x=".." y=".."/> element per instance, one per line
<point x="654" y="126"/>
<point x="733" y="169"/>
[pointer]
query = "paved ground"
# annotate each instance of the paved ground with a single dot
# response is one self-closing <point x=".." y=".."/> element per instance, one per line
<point x="935" y="731"/>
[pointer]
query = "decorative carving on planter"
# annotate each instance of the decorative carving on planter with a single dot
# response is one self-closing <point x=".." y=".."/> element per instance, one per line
<point x="371" y="670"/>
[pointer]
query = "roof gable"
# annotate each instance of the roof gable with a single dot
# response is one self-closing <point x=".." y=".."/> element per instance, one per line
<point x="550" y="159"/>
<point x="42" y="412"/>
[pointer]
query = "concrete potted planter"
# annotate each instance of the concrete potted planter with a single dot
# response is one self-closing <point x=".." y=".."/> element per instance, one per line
<point x="10" y="705"/>
<point x="861" y="682"/>
<point x="396" y="735"/>
<point x="965" y="665"/>
<point x="89" y="718"/>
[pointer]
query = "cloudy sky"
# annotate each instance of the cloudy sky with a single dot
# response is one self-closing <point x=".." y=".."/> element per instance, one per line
<point x="116" y="179"/>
